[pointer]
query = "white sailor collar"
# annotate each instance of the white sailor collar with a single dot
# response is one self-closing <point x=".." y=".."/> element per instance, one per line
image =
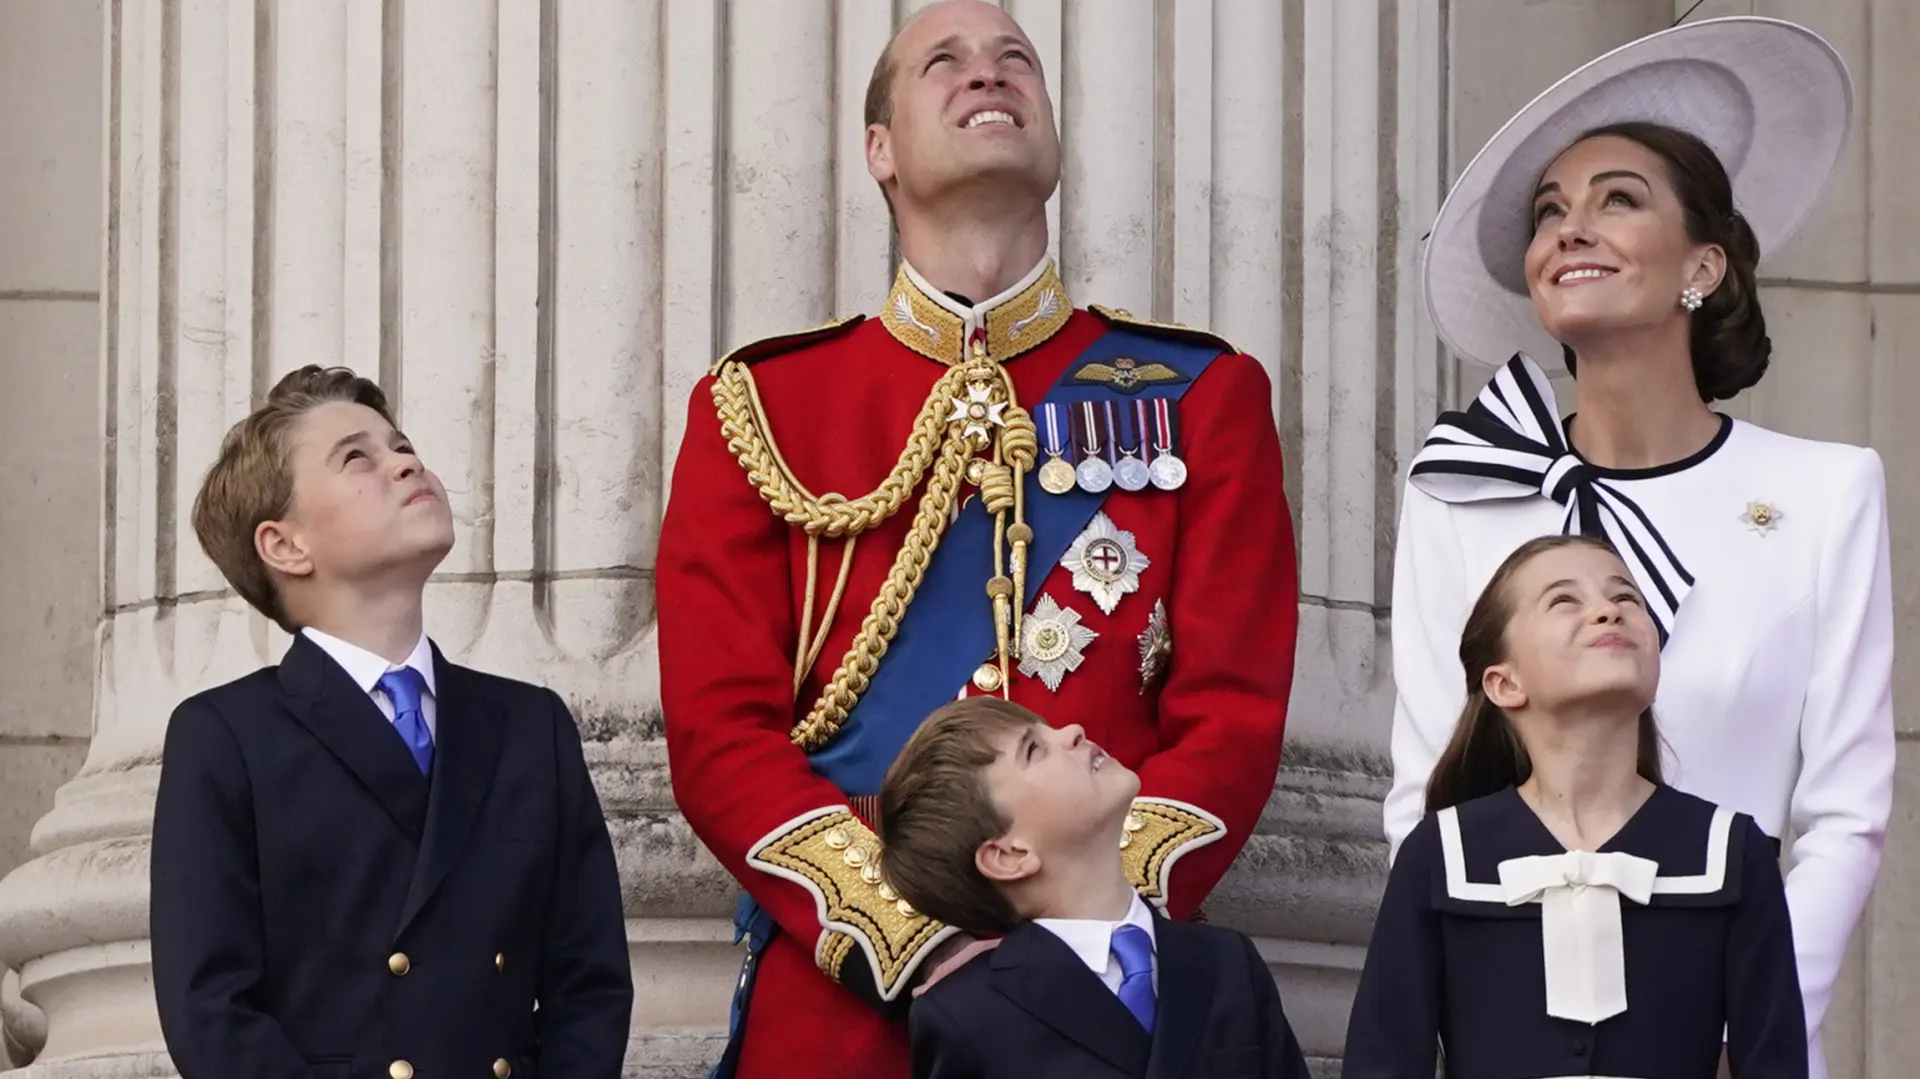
<point x="937" y="326"/>
<point x="1694" y="848"/>
<point x="1499" y="859"/>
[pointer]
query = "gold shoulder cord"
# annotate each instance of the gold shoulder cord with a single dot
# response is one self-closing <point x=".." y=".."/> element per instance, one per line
<point x="971" y="410"/>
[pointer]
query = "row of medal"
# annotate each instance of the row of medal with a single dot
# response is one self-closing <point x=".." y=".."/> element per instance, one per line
<point x="1097" y="445"/>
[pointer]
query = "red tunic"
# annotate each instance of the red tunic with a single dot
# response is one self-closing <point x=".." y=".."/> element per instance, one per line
<point x="732" y="584"/>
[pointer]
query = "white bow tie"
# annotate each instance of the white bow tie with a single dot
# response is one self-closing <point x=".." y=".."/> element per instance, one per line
<point x="1579" y="895"/>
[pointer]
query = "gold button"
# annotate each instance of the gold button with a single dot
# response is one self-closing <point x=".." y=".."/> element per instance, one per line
<point x="986" y="678"/>
<point x="400" y="1069"/>
<point x="838" y="839"/>
<point x="855" y="857"/>
<point x="500" y="961"/>
<point x="399" y="963"/>
<point x="502" y="1069"/>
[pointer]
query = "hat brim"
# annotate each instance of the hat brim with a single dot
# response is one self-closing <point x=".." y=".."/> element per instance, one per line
<point x="1772" y="99"/>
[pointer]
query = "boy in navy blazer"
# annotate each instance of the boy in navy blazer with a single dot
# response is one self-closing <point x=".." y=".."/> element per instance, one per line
<point x="368" y="861"/>
<point x="996" y="823"/>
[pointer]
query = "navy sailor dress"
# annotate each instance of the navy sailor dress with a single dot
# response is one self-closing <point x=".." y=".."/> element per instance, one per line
<point x="1510" y="957"/>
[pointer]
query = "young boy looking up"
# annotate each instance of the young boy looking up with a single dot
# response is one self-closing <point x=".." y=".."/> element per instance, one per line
<point x="368" y="860"/>
<point x="996" y="823"/>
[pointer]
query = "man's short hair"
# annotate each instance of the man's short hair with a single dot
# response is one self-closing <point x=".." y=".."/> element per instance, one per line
<point x="251" y="480"/>
<point x="880" y="103"/>
<point x="935" y="812"/>
<point x="880" y="89"/>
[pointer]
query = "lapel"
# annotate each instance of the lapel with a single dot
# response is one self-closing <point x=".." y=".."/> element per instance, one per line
<point x="327" y="702"/>
<point x="1037" y="971"/>
<point x="1185" y="996"/>
<point x="466" y="749"/>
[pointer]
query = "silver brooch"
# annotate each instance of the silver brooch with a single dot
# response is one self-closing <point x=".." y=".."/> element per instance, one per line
<point x="1761" y="517"/>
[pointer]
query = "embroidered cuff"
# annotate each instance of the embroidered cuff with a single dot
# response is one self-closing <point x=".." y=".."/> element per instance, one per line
<point x="1158" y="832"/>
<point x="836" y="858"/>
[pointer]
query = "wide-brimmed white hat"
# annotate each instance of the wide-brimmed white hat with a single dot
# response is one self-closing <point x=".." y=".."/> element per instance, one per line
<point x="1771" y="98"/>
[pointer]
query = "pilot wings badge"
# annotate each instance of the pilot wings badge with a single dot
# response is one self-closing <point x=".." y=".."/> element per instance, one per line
<point x="1126" y="374"/>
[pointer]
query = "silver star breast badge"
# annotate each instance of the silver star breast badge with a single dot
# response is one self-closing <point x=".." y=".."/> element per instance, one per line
<point x="1105" y="562"/>
<point x="1052" y="642"/>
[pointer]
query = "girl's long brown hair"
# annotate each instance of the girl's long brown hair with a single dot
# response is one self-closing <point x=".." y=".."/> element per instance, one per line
<point x="1485" y="755"/>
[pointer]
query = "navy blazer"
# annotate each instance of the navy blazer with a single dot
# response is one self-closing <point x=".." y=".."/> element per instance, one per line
<point x="1030" y="1007"/>
<point x="321" y="910"/>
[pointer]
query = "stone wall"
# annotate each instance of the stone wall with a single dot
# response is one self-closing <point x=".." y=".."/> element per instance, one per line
<point x="538" y="222"/>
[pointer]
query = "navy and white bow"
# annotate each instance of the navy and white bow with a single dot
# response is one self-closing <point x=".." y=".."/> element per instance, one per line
<point x="1509" y="444"/>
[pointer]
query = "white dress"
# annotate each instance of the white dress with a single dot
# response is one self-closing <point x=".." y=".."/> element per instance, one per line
<point x="1776" y="678"/>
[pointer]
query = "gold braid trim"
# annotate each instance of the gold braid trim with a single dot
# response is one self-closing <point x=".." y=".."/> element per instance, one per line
<point x="834" y="949"/>
<point x="836" y="858"/>
<point x="1158" y="832"/>
<point x="744" y="424"/>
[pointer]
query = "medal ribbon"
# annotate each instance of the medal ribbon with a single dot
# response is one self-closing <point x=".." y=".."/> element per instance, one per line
<point x="1162" y="427"/>
<point x="1051" y="411"/>
<point x="1090" y="426"/>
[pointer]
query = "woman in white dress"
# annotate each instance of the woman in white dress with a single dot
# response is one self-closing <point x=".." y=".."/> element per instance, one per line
<point x="1624" y="212"/>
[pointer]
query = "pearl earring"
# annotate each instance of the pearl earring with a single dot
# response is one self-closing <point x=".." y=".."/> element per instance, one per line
<point x="1691" y="299"/>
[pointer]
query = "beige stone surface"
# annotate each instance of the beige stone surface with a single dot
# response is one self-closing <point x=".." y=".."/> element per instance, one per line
<point x="50" y="131"/>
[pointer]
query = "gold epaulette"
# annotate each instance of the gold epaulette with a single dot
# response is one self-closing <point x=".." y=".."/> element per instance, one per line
<point x="836" y="858"/>
<point x="1158" y="832"/>
<point x="1173" y="330"/>
<point x="767" y="347"/>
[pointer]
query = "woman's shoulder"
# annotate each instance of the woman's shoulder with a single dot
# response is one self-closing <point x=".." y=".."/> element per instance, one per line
<point x="1805" y="459"/>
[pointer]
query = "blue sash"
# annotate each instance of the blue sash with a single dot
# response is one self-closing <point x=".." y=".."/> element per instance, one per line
<point x="948" y="629"/>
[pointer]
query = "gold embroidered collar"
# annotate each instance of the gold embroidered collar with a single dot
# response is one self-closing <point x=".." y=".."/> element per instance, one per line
<point x="938" y="327"/>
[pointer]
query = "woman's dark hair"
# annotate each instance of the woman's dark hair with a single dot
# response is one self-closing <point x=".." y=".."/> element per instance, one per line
<point x="1485" y="755"/>
<point x="1730" y="344"/>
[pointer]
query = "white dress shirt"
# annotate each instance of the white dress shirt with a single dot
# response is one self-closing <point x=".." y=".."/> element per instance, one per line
<point x="365" y="669"/>
<point x="1092" y="940"/>
<point x="1775" y="689"/>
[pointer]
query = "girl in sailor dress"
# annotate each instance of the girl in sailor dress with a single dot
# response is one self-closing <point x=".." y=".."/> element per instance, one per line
<point x="1558" y="911"/>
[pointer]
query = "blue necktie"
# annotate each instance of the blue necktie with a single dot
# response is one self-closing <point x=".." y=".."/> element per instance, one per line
<point x="1134" y="948"/>
<point x="404" y="688"/>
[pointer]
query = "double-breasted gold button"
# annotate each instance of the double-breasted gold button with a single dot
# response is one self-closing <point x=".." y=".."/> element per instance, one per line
<point x="400" y="1069"/>
<point x="502" y="1069"/>
<point x="500" y="961"/>
<point x="399" y="963"/>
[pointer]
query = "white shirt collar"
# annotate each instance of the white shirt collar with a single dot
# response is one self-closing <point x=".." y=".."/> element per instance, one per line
<point x="1092" y="938"/>
<point x="365" y="668"/>
<point x="977" y="314"/>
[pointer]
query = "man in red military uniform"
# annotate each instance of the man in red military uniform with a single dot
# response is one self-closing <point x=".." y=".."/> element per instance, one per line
<point x="983" y="490"/>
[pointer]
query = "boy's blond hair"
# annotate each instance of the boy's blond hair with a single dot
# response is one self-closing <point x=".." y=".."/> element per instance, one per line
<point x="251" y="480"/>
<point x="935" y="812"/>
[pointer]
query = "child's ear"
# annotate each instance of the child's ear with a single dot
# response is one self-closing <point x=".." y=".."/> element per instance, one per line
<point x="1501" y="684"/>
<point x="1005" y="860"/>
<point x="281" y="550"/>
